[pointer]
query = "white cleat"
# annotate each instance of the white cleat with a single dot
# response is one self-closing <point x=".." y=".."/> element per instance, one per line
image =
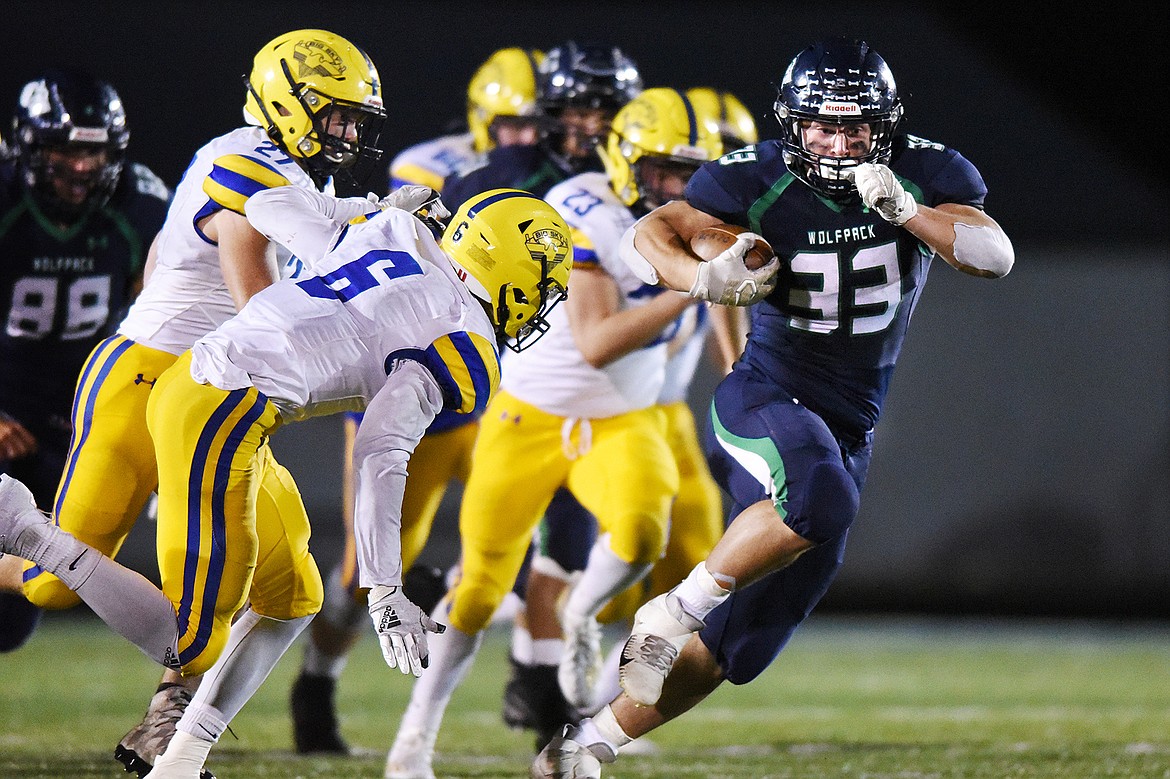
<point x="565" y="758"/>
<point x="581" y="663"/>
<point x="411" y="755"/>
<point x="661" y="629"/>
<point x="24" y="530"/>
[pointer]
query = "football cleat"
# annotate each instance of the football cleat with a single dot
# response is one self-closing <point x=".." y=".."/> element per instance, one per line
<point x="314" y="716"/>
<point x="411" y="755"/>
<point x="565" y="758"/>
<point x="139" y="748"/>
<point x="581" y="663"/>
<point x="533" y="701"/>
<point x="661" y="629"/>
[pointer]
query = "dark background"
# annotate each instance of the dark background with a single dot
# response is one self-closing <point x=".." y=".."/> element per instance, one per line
<point x="1023" y="461"/>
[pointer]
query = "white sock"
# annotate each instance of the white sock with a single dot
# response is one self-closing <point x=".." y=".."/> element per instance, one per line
<point x="602" y="729"/>
<point x="254" y="646"/>
<point x="700" y="593"/>
<point x="317" y="663"/>
<point x="608" y="686"/>
<point x="184" y="751"/>
<point x="521" y="644"/>
<point x="133" y="607"/>
<point x="548" y="651"/>
<point x="604" y="576"/>
<point x="452" y="654"/>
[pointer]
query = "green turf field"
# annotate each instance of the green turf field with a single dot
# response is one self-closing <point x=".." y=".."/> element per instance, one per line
<point x="849" y="698"/>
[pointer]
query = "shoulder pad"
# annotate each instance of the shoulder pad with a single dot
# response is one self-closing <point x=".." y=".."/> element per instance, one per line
<point x="234" y="178"/>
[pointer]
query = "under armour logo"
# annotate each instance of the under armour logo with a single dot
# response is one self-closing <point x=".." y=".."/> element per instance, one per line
<point x="143" y="380"/>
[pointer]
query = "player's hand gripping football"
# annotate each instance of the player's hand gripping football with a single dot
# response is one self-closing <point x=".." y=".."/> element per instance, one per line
<point x="402" y="629"/>
<point x="726" y="280"/>
<point x="880" y="190"/>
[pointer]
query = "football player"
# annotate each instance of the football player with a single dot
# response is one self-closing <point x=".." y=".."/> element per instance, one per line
<point x="392" y="324"/>
<point x="76" y="223"/>
<point x="856" y="213"/>
<point x="576" y="411"/>
<point x="313" y="104"/>
<point x="501" y="103"/>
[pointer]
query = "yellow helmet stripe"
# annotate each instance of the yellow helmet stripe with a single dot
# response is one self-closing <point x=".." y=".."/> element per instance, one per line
<point x="234" y="178"/>
<point x="467" y="367"/>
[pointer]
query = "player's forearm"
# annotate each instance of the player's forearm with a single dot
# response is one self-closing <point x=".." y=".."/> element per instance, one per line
<point x="661" y="239"/>
<point x="391" y="428"/>
<point x="966" y="238"/>
<point x="602" y="342"/>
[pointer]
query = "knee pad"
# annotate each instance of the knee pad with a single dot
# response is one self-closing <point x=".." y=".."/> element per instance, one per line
<point x="639" y="540"/>
<point x="47" y="592"/>
<point x="830" y="503"/>
<point x="473" y="604"/>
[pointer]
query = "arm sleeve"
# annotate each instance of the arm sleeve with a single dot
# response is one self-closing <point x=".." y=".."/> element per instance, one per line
<point x="304" y="221"/>
<point x="393" y="424"/>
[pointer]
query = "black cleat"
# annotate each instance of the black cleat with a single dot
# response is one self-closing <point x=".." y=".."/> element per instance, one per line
<point x="533" y="701"/>
<point x="314" y="715"/>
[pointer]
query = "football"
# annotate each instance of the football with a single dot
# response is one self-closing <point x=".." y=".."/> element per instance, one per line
<point x="712" y="241"/>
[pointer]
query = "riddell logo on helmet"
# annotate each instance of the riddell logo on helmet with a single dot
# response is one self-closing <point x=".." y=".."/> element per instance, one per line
<point x="315" y="57"/>
<point x="847" y="109"/>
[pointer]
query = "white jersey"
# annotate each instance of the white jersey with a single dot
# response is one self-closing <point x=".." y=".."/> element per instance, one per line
<point x="326" y="343"/>
<point x="687" y="349"/>
<point x="430" y="163"/>
<point x="186" y="296"/>
<point x="552" y="374"/>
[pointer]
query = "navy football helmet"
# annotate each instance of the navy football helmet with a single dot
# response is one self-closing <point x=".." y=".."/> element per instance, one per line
<point x="592" y="77"/>
<point x="70" y="113"/>
<point x="841" y="82"/>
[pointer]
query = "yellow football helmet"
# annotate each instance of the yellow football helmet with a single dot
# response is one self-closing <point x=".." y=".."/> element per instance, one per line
<point x="504" y="85"/>
<point x="514" y="252"/>
<point x="659" y="129"/>
<point x="735" y="122"/>
<point x="305" y="83"/>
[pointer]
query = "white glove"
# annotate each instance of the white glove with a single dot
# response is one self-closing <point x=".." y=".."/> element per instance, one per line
<point x="881" y="191"/>
<point x="726" y="280"/>
<point x="414" y="198"/>
<point x="402" y="629"/>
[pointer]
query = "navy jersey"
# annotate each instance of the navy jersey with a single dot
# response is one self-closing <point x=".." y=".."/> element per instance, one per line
<point x="530" y="168"/>
<point x="62" y="289"/>
<point x="830" y="333"/>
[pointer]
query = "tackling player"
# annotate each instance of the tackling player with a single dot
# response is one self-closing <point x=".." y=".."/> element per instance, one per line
<point x="578" y="411"/>
<point x="856" y="213"/>
<point x="501" y="102"/>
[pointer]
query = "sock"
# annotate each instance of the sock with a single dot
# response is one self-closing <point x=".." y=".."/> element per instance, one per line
<point x="317" y="663"/>
<point x="602" y="733"/>
<point x="521" y="644"/>
<point x="184" y="751"/>
<point x="203" y="721"/>
<point x="133" y="607"/>
<point x="452" y="653"/>
<point x="547" y="651"/>
<point x="700" y="593"/>
<point x="608" y="685"/>
<point x="604" y="576"/>
<point x="254" y="646"/>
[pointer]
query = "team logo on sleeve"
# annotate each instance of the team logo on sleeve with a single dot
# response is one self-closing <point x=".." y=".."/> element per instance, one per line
<point x="314" y="57"/>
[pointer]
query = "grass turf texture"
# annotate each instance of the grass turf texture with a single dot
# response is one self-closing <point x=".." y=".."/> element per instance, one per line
<point x="865" y="697"/>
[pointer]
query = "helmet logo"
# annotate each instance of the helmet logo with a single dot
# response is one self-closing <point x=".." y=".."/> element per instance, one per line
<point x="840" y="108"/>
<point x="316" y="57"/>
<point x="547" y="245"/>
